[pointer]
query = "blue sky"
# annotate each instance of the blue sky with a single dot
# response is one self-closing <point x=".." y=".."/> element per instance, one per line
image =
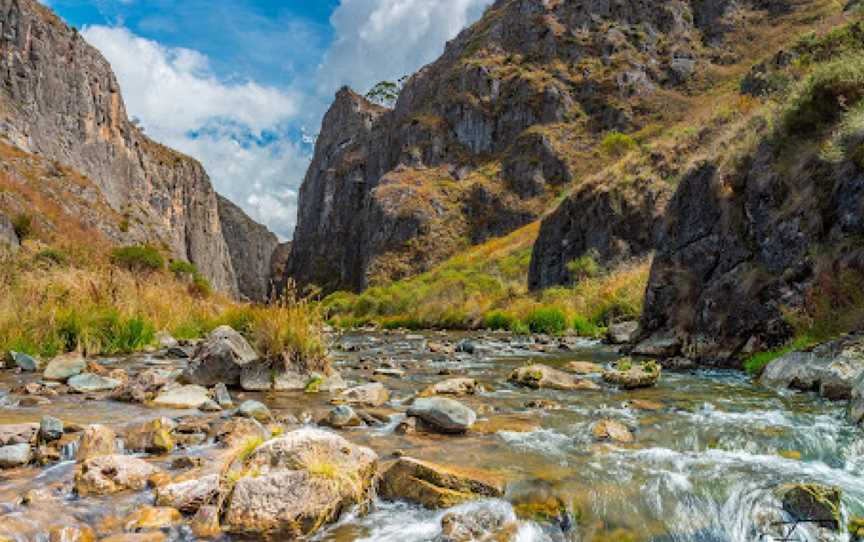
<point x="242" y="84"/>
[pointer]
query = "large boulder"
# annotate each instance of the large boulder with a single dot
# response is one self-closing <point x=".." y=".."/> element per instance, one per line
<point x="182" y="397"/>
<point x="443" y="415"/>
<point x="452" y="386"/>
<point x="219" y="358"/>
<point x="18" y="433"/>
<point x="298" y="483"/>
<point x="25" y="362"/>
<point x="143" y="387"/>
<point x="96" y="440"/>
<point x="153" y="436"/>
<point x="622" y="333"/>
<point x="628" y="375"/>
<point x="542" y="377"/>
<point x="112" y="473"/>
<point x="64" y="367"/>
<point x="189" y="496"/>
<point x="832" y="369"/>
<point x="437" y="486"/>
<point x="15" y="455"/>
<point x="812" y="503"/>
<point x="372" y="395"/>
<point x="92" y="383"/>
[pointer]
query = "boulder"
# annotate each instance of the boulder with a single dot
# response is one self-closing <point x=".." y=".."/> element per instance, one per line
<point x="540" y="376"/>
<point x="92" y="383"/>
<point x="235" y="431"/>
<point x="255" y="410"/>
<point x="832" y="369"/>
<point x="612" y="430"/>
<point x="50" y="429"/>
<point x="153" y="436"/>
<point x="659" y="345"/>
<point x="302" y="481"/>
<point x="205" y="523"/>
<point x="452" y="386"/>
<point x="25" y="362"/>
<point x="284" y="373"/>
<point x="64" y="367"/>
<point x="223" y="397"/>
<point x="490" y="522"/>
<point x="628" y="375"/>
<point x="96" y="440"/>
<point x="219" y="358"/>
<point x="8" y="236"/>
<point x="190" y="495"/>
<point x="436" y="486"/>
<point x="18" y="433"/>
<point x="108" y="474"/>
<point x="622" y="333"/>
<point x="812" y="503"/>
<point x="443" y="415"/>
<point x="342" y="416"/>
<point x="373" y="395"/>
<point x="143" y="387"/>
<point x="15" y="455"/>
<point x="148" y="518"/>
<point x="584" y="367"/>
<point x="189" y="396"/>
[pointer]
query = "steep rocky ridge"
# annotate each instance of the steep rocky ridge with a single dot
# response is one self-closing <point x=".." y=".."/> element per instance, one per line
<point x="251" y="246"/>
<point x="59" y="99"/>
<point x="482" y="140"/>
<point x="763" y="242"/>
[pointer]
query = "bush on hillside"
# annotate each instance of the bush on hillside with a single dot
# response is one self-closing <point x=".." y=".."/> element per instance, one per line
<point x="138" y="258"/>
<point x="498" y="320"/>
<point x="548" y="320"/>
<point x="617" y="144"/>
<point x="831" y="90"/>
<point x="23" y="226"/>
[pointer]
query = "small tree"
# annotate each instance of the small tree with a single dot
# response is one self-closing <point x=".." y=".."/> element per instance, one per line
<point x="386" y="93"/>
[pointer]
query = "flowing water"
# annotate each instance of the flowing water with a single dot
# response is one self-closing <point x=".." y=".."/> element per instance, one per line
<point x="704" y="468"/>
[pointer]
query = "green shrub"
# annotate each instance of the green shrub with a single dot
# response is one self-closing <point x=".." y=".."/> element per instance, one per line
<point x="520" y="328"/>
<point x="52" y="256"/>
<point x="584" y="266"/>
<point x="200" y="285"/>
<point x="826" y="94"/>
<point x="23" y="226"/>
<point x="138" y="258"/>
<point x="585" y="327"/>
<point x="103" y="332"/>
<point x="617" y="144"/>
<point x="549" y="320"/>
<point x="498" y="320"/>
<point x="182" y="267"/>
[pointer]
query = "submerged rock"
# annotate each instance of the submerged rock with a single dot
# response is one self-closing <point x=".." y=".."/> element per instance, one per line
<point x="628" y="375"/>
<point x="298" y="483"/>
<point x="812" y="503"/>
<point x="437" y="486"/>
<point x="452" y="386"/>
<point x="540" y="376"/>
<point x="612" y="430"/>
<point x="443" y="415"/>
<point x="64" y="367"/>
<point x="112" y="473"/>
<point x="219" y="358"/>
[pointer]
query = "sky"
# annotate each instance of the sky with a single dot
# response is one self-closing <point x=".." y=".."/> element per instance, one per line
<point x="242" y="85"/>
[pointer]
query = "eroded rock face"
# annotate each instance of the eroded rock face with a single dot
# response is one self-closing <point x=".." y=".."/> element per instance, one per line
<point x="302" y="481"/>
<point x="392" y="192"/>
<point x="251" y="247"/>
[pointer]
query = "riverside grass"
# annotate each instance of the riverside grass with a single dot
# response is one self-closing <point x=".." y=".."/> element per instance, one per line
<point x="84" y="301"/>
<point x="485" y="287"/>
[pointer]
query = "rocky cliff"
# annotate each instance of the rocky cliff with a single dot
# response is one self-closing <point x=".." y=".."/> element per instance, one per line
<point x="251" y="246"/>
<point x="59" y="99"/>
<point x="8" y="237"/>
<point x="762" y="242"/>
<point x="482" y="140"/>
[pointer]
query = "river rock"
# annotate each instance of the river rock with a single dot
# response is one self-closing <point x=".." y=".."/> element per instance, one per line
<point x="489" y="522"/>
<point x="612" y="430"/>
<point x="50" y="429"/>
<point x="812" y="503"/>
<point x="443" y="415"/>
<point x="189" y="396"/>
<point x="235" y="431"/>
<point x="143" y="387"/>
<point x="342" y="416"/>
<point x="832" y="369"/>
<point x="71" y="533"/>
<point x="284" y="373"/>
<point x="255" y="410"/>
<point x="205" y="523"/>
<point x="223" y="397"/>
<point x="108" y="474"/>
<point x="96" y="440"/>
<point x="436" y="486"/>
<point x="190" y="495"/>
<point x="25" y="362"/>
<point x="659" y="345"/>
<point x="219" y="358"/>
<point x="622" y="333"/>
<point x="303" y="480"/>
<point x="92" y="383"/>
<point x="153" y="436"/>
<point x="148" y="536"/>
<point x="18" y="433"/>
<point x="540" y="376"/>
<point x="855" y="412"/>
<point x="165" y="340"/>
<point x="584" y="367"/>
<point x="451" y="386"/>
<point x="15" y="455"/>
<point x="152" y="517"/>
<point x="64" y="367"/>
<point x="373" y="395"/>
<point x="628" y="375"/>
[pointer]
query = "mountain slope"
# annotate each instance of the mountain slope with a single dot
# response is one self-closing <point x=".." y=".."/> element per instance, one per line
<point x="483" y="140"/>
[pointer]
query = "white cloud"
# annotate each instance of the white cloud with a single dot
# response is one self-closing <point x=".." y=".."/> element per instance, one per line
<point x="247" y="135"/>
<point x="386" y="39"/>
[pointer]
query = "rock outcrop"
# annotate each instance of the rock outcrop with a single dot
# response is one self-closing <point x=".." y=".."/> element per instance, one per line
<point x="481" y="141"/>
<point x="251" y="247"/>
<point x="8" y="237"/>
<point x="61" y="101"/>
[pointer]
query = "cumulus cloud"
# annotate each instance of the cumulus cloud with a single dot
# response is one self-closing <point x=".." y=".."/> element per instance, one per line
<point x="251" y="137"/>
<point x="386" y="39"/>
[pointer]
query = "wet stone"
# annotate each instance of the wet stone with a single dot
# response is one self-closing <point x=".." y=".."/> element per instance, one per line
<point x="50" y="429"/>
<point x="443" y="415"/>
<point x="15" y="455"/>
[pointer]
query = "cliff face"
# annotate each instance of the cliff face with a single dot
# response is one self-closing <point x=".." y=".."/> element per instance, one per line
<point x="251" y="246"/>
<point x="766" y="243"/>
<point x="8" y="237"/>
<point x="482" y="140"/>
<point x="60" y="99"/>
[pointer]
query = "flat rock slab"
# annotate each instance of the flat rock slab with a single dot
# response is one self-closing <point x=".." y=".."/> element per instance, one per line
<point x="190" y="396"/>
<point x="437" y="486"/>
<point x="543" y="377"/>
<point x="64" y="367"/>
<point x="92" y="383"/>
<point x="108" y="474"/>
